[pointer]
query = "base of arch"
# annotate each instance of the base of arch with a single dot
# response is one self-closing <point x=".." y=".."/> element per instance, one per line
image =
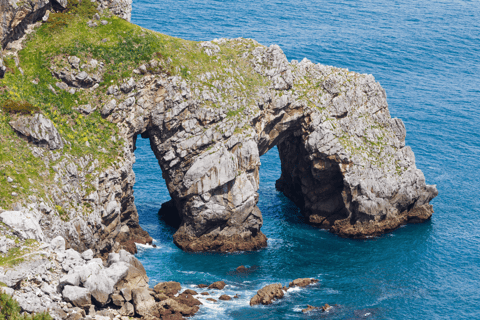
<point x="372" y="228"/>
<point x="209" y="243"/>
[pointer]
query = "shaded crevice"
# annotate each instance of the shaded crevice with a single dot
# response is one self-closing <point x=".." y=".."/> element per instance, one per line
<point x="316" y="187"/>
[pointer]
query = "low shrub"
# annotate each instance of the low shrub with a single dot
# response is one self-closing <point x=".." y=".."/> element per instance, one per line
<point x="23" y="107"/>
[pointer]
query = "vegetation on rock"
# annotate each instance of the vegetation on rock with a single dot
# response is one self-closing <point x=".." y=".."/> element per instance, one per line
<point x="10" y="310"/>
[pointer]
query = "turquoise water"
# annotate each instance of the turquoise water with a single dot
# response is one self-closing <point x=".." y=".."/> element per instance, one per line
<point x="427" y="56"/>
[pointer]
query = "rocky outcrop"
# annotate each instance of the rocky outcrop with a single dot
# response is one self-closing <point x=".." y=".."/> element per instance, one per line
<point x="302" y="282"/>
<point x="268" y="294"/>
<point x="24" y="225"/>
<point x="38" y="130"/>
<point x="344" y="159"/>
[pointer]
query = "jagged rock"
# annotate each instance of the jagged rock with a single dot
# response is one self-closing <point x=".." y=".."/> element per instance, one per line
<point x="87" y="255"/>
<point x="79" y="297"/>
<point x="217" y="285"/>
<point x="190" y="291"/>
<point x="24" y="224"/>
<point x="171" y="307"/>
<point x="118" y="300"/>
<point x="126" y="293"/>
<point x="170" y="288"/>
<point x="186" y="299"/>
<point x="13" y="277"/>
<point x="86" y="109"/>
<point x="108" y="107"/>
<point x="39" y="130"/>
<point x="144" y="303"/>
<point x="127" y="309"/>
<point x="58" y="244"/>
<point x="302" y="282"/>
<point x="62" y="3"/>
<point x="128" y="86"/>
<point x="201" y="286"/>
<point x="267" y="294"/>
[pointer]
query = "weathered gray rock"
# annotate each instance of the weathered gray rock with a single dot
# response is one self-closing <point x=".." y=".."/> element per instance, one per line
<point x="79" y="297"/>
<point x="57" y="244"/>
<point x="12" y="277"/>
<point x="127" y="309"/>
<point x="144" y="303"/>
<point x="344" y="160"/>
<point x="87" y="255"/>
<point x="24" y="224"/>
<point x="108" y="107"/>
<point x="38" y="130"/>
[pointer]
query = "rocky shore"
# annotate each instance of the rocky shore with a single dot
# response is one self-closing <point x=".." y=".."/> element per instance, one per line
<point x="70" y="116"/>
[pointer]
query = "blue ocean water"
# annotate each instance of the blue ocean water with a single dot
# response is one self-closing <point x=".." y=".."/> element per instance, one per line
<point x="426" y="54"/>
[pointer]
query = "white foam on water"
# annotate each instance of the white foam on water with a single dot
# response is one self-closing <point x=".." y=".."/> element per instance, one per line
<point x="297" y="309"/>
<point x="294" y="289"/>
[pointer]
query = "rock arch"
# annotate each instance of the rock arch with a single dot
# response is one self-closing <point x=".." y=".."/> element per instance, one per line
<point x="344" y="159"/>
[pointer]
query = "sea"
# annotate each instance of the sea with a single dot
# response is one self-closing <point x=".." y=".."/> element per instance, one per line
<point x="426" y="54"/>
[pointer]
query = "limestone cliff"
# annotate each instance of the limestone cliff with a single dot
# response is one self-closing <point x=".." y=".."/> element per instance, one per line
<point x="210" y="110"/>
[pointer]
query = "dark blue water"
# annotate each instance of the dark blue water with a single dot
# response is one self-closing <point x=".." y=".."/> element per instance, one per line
<point x="426" y="54"/>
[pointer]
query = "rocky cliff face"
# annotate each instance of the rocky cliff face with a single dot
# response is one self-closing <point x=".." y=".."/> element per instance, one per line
<point x="344" y="159"/>
<point x="210" y="110"/>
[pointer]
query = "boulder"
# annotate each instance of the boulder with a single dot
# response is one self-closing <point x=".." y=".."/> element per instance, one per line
<point x="127" y="293"/>
<point x="267" y="294"/>
<point x="302" y="282"/>
<point x="100" y="286"/>
<point x="24" y="224"/>
<point x="118" y="300"/>
<point x="217" y="285"/>
<point x="127" y="309"/>
<point x="171" y="307"/>
<point x="58" y="244"/>
<point x="225" y="297"/>
<point x="201" y="286"/>
<point x="79" y="297"/>
<point x="187" y="299"/>
<point x="190" y="291"/>
<point x="144" y="303"/>
<point x="38" y="130"/>
<point x="87" y="255"/>
<point x="108" y="108"/>
<point x="170" y="288"/>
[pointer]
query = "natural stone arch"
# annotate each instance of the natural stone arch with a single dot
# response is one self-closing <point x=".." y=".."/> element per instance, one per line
<point x="344" y="160"/>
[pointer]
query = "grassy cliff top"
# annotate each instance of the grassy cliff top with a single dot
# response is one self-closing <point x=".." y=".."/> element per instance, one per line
<point x="113" y="50"/>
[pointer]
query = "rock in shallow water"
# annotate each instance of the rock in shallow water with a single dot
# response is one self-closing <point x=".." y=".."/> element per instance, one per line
<point x="267" y="294"/>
